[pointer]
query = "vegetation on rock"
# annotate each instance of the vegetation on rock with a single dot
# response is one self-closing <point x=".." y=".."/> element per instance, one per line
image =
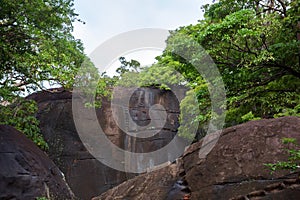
<point x="254" y="44"/>
<point x="36" y="49"/>
<point x="256" y="49"/>
<point x="293" y="162"/>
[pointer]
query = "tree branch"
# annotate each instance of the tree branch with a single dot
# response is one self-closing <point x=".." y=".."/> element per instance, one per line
<point x="286" y="68"/>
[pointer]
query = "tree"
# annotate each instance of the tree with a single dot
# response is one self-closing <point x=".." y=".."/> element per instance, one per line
<point x="36" y="47"/>
<point x="92" y="86"/>
<point x="255" y="46"/>
<point x="131" y="74"/>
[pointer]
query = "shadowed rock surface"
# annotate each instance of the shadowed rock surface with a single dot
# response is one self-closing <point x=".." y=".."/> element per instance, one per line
<point x="234" y="169"/>
<point x="25" y="171"/>
<point x="87" y="176"/>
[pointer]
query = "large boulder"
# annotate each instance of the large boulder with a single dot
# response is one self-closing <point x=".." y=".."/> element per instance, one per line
<point x="235" y="166"/>
<point x="25" y="171"/>
<point x="234" y="169"/>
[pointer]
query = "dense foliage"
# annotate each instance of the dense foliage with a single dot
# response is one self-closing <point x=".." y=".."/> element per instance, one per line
<point x="37" y="49"/>
<point x="256" y="47"/>
<point x="21" y="115"/>
<point x="36" y="44"/>
<point x="255" y="44"/>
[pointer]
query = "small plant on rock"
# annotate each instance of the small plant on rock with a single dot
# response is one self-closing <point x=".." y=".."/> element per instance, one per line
<point x="293" y="162"/>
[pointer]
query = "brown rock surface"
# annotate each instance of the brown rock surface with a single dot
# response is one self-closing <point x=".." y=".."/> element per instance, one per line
<point x="86" y="175"/>
<point x="25" y="171"/>
<point x="236" y="164"/>
<point x="150" y="186"/>
<point x="234" y="169"/>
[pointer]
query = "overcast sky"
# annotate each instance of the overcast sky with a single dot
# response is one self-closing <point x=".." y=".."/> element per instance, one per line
<point x="107" y="18"/>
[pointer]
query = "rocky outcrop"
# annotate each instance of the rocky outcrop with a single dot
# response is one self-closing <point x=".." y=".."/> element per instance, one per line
<point x="234" y="169"/>
<point x="153" y="185"/>
<point x="25" y="171"/>
<point x="142" y="103"/>
<point x="87" y="176"/>
<point x="236" y="164"/>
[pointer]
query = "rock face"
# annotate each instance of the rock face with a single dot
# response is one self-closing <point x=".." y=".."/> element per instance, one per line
<point x="236" y="165"/>
<point x="25" y="171"/>
<point x="234" y="169"/>
<point x="151" y="111"/>
<point x="153" y="185"/>
<point x="87" y="176"/>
